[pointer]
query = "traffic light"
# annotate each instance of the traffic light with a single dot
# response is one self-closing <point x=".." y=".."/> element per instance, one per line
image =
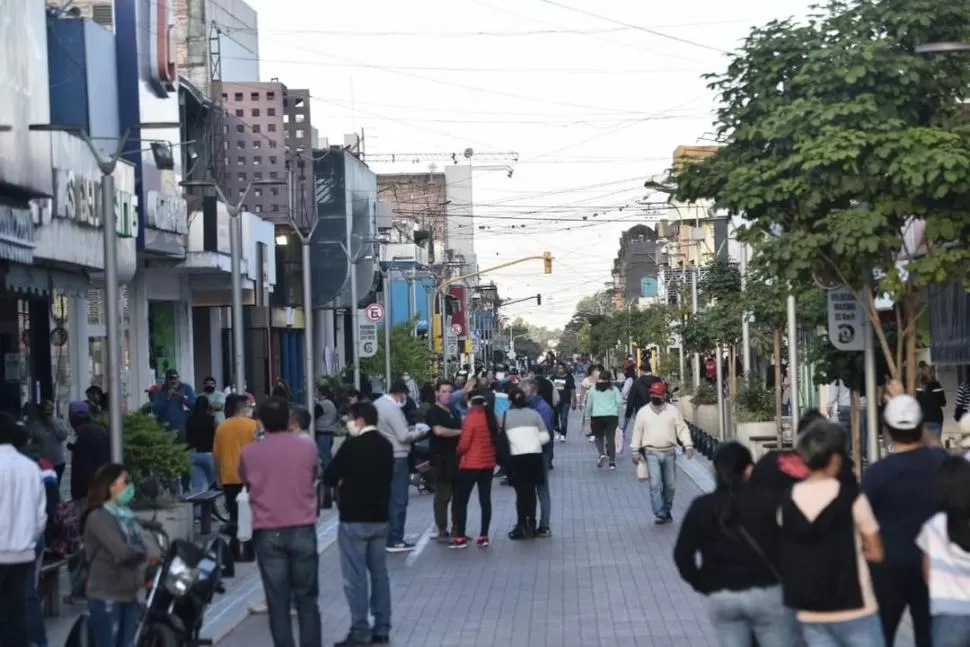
<point x="547" y="262"/>
<point x="538" y="299"/>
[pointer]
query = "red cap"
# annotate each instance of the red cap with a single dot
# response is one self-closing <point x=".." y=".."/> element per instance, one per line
<point x="658" y="388"/>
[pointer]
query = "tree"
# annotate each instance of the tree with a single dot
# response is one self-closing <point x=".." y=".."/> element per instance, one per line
<point x="838" y="138"/>
<point x="526" y="347"/>
<point x="409" y="354"/>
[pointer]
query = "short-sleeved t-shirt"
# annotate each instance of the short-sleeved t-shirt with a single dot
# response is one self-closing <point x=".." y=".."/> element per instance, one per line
<point x="812" y="497"/>
<point x="438" y="417"/>
<point x="949" y="579"/>
<point x="565" y="384"/>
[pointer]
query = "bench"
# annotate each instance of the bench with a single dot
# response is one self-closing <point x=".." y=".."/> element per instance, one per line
<point x="49" y="584"/>
<point x="206" y="501"/>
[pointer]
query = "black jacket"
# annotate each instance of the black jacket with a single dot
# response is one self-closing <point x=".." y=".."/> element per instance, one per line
<point x="640" y="393"/>
<point x="89" y="452"/>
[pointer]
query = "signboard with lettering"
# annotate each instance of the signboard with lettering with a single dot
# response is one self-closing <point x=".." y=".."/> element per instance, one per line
<point x="847" y="321"/>
<point x="162" y="72"/>
<point x="78" y="198"/>
<point x="167" y="212"/>
<point x="366" y="336"/>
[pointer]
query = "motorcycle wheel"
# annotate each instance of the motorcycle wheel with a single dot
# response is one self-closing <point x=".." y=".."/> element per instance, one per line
<point x="219" y="510"/>
<point x="158" y="635"/>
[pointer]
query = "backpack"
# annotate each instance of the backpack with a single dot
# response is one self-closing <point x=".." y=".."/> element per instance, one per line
<point x="65" y="538"/>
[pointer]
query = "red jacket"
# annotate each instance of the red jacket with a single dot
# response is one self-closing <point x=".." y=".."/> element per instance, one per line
<point x="476" y="449"/>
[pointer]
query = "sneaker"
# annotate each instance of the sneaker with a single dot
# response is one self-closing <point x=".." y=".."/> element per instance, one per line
<point x="660" y="520"/>
<point x="400" y="547"/>
<point x="378" y="639"/>
<point x="443" y="537"/>
<point x="668" y="519"/>
<point x="482" y="541"/>
<point x="543" y="531"/>
<point x="562" y="438"/>
<point x="350" y="641"/>
<point x="518" y="533"/>
<point x="590" y="439"/>
<point x="612" y="466"/>
<point x="459" y="542"/>
<point x="601" y="460"/>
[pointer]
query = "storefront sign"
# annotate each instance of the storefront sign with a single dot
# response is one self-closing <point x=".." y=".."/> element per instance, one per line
<point x="167" y="212"/>
<point x="16" y="235"/>
<point x="162" y="73"/>
<point x="78" y="198"/>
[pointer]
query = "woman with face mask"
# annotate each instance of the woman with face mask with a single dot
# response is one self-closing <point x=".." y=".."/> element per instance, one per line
<point x="116" y="555"/>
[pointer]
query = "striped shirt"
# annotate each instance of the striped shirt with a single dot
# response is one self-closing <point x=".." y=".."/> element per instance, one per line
<point x="949" y="572"/>
<point x="963" y="401"/>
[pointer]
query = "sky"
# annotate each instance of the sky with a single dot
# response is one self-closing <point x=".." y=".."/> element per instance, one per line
<point x="592" y="96"/>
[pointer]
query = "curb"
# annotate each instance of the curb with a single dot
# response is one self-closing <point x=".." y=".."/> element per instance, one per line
<point x="230" y="610"/>
<point x="699" y="473"/>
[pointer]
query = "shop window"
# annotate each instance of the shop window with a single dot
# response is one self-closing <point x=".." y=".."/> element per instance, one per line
<point x="163" y="338"/>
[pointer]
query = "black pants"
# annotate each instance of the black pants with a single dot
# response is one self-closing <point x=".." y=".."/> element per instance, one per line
<point x="444" y="498"/>
<point x="897" y="588"/>
<point x="231" y="492"/>
<point x="526" y="473"/>
<point x="468" y="479"/>
<point x="13" y="603"/>
<point x="604" y="435"/>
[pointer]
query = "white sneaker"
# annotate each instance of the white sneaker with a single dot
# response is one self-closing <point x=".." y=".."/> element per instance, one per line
<point x="562" y="438"/>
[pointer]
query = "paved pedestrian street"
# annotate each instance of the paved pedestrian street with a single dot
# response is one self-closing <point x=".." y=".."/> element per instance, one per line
<point x="606" y="577"/>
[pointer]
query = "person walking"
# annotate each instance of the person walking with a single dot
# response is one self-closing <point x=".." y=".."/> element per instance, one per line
<point x="477" y="460"/>
<point x="280" y="473"/>
<point x="539" y="393"/>
<point x="200" y="432"/>
<point x="602" y="411"/>
<point x="446" y="427"/>
<point x="657" y="430"/>
<point x="565" y="385"/>
<point x="48" y="435"/>
<point x="901" y="488"/>
<point x="945" y="543"/>
<point x="90" y="451"/>
<point x="23" y="507"/>
<point x="238" y="431"/>
<point x="523" y="433"/>
<point x="735" y="532"/>
<point x="363" y="471"/>
<point x="640" y="395"/>
<point x="116" y="555"/>
<point x="393" y="425"/>
<point x="932" y="400"/>
<point x="828" y="534"/>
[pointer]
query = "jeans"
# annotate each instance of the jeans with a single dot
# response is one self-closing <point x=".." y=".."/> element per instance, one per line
<point x="935" y="428"/>
<point x="325" y="449"/>
<point x="604" y="433"/>
<point x="951" y="631"/>
<point x="113" y="624"/>
<point x="398" y="508"/>
<point x="444" y="497"/>
<point x="662" y="472"/>
<point x="845" y="419"/>
<point x="898" y="588"/>
<point x="863" y="632"/>
<point x="361" y="548"/>
<point x="203" y="471"/>
<point x="562" y="413"/>
<point x="737" y="615"/>
<point x="35" y="609"/>
<point x="288" y="565"/>
<point x="468" y="479"/>
<point x="13" y="602"/>
<point x="545" y="501"/>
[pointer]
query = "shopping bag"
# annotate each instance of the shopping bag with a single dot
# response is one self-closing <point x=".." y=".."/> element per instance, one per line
<point x="244" y="523"/>
<point x="619" y="440"/>
<point x="642" y="474"/>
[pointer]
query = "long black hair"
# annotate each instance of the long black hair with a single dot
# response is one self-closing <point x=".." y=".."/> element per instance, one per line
<point x="517" y="398"/>
<point x="604" y="382"/>
<point x="953" y="490"/>
<point x="730" y="465"/>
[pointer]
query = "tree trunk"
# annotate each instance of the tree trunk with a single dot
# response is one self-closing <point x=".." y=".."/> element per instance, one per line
<point x="779" y="387"/>
<point x="856" y="435"/>
<point x="911" y="314"/>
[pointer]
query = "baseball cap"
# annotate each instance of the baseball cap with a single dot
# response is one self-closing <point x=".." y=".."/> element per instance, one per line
<point x="658" y="388"/>
<point x="902" y="412"/>
<point x="170" y="373"/>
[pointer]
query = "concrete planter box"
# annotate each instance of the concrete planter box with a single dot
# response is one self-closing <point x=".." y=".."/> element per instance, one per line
<point x="176" y="520"/>
<point x="705" y="417"/>
<point x="748" y="430"/>
<point x="686" y="407"/>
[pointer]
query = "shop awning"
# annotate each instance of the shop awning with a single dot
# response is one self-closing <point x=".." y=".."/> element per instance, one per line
<point x="32" y="280"/>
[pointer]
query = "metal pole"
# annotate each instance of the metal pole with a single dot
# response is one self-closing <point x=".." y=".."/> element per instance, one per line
<point x="387" y="329"/>
<point x="112" y="298"/>
<point x="696" y="360"/>
<point x="720" y="394"/>
<point x="793" y="357"/>
<point x="238" y="339"/>
<point x="308" y="332"/>
<point x="872" y="408"/>
<point x="354" y="332"/>
<point x="745" y="325"/>
<point x="444" y="336"/>
<point x="681" y="354"/>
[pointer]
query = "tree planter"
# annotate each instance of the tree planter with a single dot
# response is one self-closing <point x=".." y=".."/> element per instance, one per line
<point x="705" y="417"/>
<point x="176" y="520"/>
<point x="686" y="406"/>
<point x="748" y="430"/>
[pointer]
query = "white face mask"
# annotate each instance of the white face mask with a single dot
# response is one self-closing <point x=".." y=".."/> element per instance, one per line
<point x="353" y="429"/>
<point x="500" y="376"/>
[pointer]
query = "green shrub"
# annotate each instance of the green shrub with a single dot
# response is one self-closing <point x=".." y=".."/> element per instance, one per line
<point x="755" y="403"/>
<point x="704" y="394"/>
<point x="152" y="450"/>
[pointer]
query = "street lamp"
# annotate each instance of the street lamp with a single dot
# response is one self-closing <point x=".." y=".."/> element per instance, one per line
<point x="235" y="243"/>
<point x="112" y="294"/>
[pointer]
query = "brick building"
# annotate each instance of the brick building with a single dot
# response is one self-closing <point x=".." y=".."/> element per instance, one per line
<point x="418" y="198"/>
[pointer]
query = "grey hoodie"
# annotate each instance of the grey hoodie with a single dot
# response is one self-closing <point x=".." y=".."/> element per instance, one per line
<point x="393" y="425"/>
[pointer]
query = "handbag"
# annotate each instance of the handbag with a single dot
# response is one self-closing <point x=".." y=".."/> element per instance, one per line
<point x="642" y="473"/>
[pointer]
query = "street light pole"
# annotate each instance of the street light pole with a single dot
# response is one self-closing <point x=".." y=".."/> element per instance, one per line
<point x="112" y="291"/>
<point x="696" y="359"/>
<point x="235" y="244"/>
<point x="745" y="321"/>
<point x="387" y="328"/>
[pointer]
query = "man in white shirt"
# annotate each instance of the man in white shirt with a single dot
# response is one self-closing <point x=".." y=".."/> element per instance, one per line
<point x="23" y="507"/>
<point x="657" y="430"/>
<point x="838" y="406"/>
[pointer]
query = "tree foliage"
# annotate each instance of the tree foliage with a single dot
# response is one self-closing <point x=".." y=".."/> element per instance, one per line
<point x="837" y="135"/>
<point x="409" y="354"/>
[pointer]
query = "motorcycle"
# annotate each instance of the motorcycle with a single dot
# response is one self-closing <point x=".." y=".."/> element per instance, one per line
<point x="421" y="476"/>
<point x="181" y="584"/>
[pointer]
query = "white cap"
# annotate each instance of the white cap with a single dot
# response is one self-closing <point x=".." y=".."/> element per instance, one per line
<point x="903" y="412"/>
